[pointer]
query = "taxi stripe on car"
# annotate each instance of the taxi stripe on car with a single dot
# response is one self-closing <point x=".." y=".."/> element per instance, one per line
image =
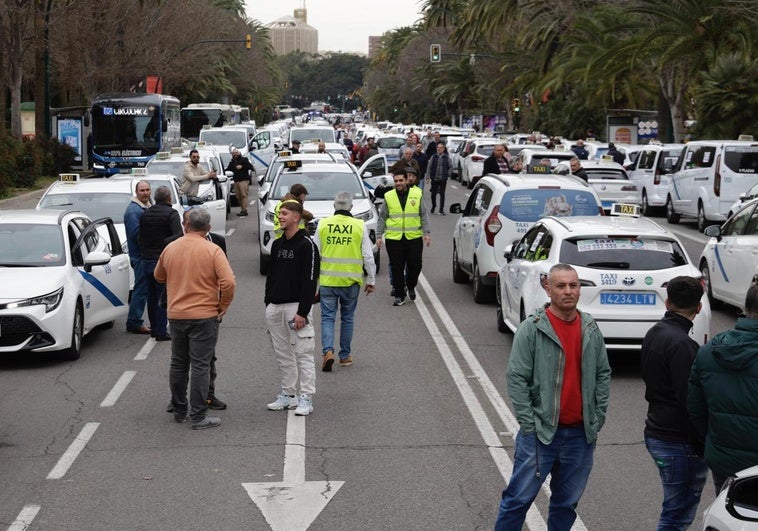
<point x="717" y="254"/>
<point x="102" y="288"/>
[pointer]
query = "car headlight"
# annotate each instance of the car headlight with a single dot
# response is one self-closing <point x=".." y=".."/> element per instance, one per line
<point x="51" y="301"/>
<point x="270" y="216"/>
<point x="365" y="216"/>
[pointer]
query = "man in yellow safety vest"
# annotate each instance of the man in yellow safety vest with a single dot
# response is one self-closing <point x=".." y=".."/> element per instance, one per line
<point x="404" y="224"/>
<point x="345" y="249"/>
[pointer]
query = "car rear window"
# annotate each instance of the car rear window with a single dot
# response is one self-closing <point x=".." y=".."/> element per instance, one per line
<point x="605" y="173"/>
<point x="529" y="205"/>
<point x="623" y="253"/>
<point x="321" y="186"/>
<point x="741" y="159"/>
<point x="486" y="150"/>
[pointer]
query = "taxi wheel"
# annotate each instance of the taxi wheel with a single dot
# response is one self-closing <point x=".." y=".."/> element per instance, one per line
<point x="74" y="352"/>
<point x="459" y="275"/>
<point x="705" y="271"/>
<point x="482" y="293"/>
<point x="702" y="221"/>
<point x="671" y="216"/>
<point x="501" y="326"/>
<point x="646" y="210"/>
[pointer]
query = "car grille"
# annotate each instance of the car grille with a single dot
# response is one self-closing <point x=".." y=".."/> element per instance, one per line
<point x="15" y="329"/>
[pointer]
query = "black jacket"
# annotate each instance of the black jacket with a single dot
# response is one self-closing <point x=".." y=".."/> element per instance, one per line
<point x="294" y="272"/>
<point x="243" y="174"/>
<point x="158" y="226"/>
<point x="668" y="353"/>
<point x="491" y="166"/>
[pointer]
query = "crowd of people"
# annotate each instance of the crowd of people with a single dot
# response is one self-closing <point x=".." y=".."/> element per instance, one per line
<point x="702" y="401"/>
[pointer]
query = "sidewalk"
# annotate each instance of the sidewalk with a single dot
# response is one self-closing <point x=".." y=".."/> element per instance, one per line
<point x="25" y="200"/>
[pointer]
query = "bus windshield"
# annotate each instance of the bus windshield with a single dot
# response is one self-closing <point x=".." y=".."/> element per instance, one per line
<point x="132" y="128"/>
<point x="193" y="121"/>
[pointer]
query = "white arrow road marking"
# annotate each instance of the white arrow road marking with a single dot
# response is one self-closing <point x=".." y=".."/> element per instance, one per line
<point x="293" y="503"/>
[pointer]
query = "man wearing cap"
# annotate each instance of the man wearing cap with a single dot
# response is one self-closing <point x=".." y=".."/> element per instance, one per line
<point x="241" y="168"/>
<point x="345" y="250"/>
<point x="404" y="223"/>
<point x="295" y="147"/>
<point x="406" y="161"/>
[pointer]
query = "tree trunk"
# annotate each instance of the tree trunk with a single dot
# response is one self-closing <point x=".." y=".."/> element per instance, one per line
<point x="40" y="113"/>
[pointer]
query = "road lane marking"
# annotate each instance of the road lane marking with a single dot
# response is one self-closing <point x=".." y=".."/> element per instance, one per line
<point x="118" y="388"/>
<point x="230" y="232"/>
<point x="145" y="350"/>
<point x="25" y="518"/>
<point x="489" y="389"/>
<point x="534" y="520"/>
<point x="68" y="458"/>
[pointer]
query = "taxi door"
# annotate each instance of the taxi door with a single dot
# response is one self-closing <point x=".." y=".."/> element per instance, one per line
<point x="737" y="255"/>
<point x="262" y="151"/>
<point x="375" y="172"/>
<point x="106" y="286"/>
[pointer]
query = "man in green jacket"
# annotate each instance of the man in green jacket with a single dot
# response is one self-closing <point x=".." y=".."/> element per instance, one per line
<point x="722" y="398"/>
<point x="559" y="383"/>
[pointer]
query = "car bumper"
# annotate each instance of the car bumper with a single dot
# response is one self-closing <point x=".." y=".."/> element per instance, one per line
<point x="30" y="328"/>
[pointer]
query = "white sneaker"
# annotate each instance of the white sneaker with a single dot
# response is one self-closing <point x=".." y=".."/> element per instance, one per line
<point x="304" y="405"/>
<point x="283" y="401"/>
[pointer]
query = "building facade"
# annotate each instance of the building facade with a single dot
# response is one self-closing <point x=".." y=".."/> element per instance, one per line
<point x="293" y="34"/>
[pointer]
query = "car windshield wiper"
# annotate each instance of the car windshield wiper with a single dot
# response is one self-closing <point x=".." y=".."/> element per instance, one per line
<point x="610" y="265"/>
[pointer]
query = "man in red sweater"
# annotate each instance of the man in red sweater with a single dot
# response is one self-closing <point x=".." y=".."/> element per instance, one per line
<point x="200" y="286"/>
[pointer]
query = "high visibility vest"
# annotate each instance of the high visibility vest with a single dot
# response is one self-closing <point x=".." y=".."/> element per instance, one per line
<point x="277" y="228"/>
<point x="403" y="222"/>
<point x="341" y="256"/>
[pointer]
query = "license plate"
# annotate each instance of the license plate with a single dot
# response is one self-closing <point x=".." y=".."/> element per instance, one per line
<point x="625" y="297"/>
<point x="607" y="204"/>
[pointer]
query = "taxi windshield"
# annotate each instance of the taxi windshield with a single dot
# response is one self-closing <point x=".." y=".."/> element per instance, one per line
<point x="321" y="186"/>
<point x="95" y="205"/>
<point x="171" y="167"/>
<point x="622" y="252"/>
<point x="220" y="137"/>
<point x="31" y="245"/>
<point x="312" y="134"/>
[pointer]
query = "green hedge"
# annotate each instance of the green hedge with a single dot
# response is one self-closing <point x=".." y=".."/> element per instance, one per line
<point x="22" y="162"/>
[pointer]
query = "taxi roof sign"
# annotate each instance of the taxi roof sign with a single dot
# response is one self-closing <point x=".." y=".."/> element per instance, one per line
<point x="538" y="168"/>
<point x="176" y="151"/>
<point x="139" y="171"/>
<point x="68" y="177"/>
<point x="200" y="143"/>
<point x="284" y="153"/>
<point x="292" y="165"/>
<point x="624" y="209"/>
<point x="163" y="155"/>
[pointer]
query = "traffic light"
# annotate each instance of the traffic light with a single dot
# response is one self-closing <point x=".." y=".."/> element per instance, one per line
<point x="248" y="41"/>
<point x="435" y="53"/>
<point x="516" y="105"/>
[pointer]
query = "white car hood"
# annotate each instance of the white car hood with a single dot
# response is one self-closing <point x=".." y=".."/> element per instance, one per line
<point x="20" y="283"/>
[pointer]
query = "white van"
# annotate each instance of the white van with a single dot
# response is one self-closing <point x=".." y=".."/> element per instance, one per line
<point x="651" y="173"/>
<point x="710" y="177"/>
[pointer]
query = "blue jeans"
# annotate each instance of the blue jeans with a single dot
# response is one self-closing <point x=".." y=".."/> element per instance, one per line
<point x="568" y="458"/>
<point x="683" y="474"/>
<point x="193" y="343"/>
<point x="156" y="314"/>
<point x="139" y="296"/>
<point x="347" y="300"/>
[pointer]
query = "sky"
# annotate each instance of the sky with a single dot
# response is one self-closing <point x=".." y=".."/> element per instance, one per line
<point x="343" y="25"/>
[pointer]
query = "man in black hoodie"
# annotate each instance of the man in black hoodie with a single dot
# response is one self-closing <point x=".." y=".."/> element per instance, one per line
<point x="290" y="290"/>
<point x="668" y="353"/>
<point x="159" y="225"/>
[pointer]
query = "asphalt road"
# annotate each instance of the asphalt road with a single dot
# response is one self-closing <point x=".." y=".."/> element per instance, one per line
<point x="418" y="429"/>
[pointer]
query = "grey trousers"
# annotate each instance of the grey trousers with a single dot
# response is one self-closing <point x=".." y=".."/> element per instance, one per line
<point x="193" y="342"/>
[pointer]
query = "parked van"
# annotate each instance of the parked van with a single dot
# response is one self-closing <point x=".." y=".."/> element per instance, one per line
<point x="710" y="177"/>
<point x="651" y="172"/>
<point x="500" y="210"/>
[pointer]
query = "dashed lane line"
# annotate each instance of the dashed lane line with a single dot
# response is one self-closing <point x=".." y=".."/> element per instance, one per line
<point x="118" y="388"/>
<point x="145" y="350"/>
<point x="25" y="518"/>
<point x="68" y="458"/>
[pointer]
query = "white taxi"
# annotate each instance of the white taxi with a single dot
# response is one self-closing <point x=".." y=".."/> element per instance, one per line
<point x="624" y="264"/>
<point x="609" y="179"/>
<point x="323" y="182"/>
<point x="59" y="279"/>
<point x="736" y="506"/>
<point x="729" y="261"/>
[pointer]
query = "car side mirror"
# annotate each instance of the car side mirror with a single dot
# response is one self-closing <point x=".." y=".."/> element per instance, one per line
<point x="96" y="258"/>
<point x="714" y="231"/>
<point x="508" y="255"/>
<point x="455" y="208"/>
<point x="742" y="499"/>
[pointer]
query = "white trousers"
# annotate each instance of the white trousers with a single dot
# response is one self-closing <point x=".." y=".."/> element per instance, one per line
<point x="293" y="349"/>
